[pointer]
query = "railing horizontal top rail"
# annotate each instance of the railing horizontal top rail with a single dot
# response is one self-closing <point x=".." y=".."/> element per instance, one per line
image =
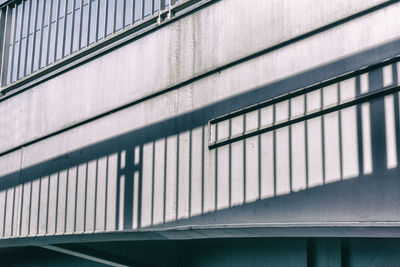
<point x="37" y="37"/>
<point x="265" y="112"/>
<point x="3" y="3"/>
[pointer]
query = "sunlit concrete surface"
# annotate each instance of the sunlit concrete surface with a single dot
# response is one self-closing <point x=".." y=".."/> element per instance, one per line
<point x="240" y="119"/>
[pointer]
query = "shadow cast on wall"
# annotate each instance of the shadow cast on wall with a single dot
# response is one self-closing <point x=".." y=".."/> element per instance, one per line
<point x="165" y="175"/>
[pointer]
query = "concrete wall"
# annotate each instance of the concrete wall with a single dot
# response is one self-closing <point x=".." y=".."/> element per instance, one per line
<point x="213" y="37"/>
<point x="149" y="163"/>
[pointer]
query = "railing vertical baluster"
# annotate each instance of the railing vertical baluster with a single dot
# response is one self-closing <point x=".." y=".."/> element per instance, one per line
<point x="97" y="20"/>
<point x="28" y="25"/>
<point x="142" y="10"/>
<point x="6" y="45"/>
<point x="161" y="6"/>
<point x="21" y="61"/>
<point x="65" y="28"/>
<point x="21" y="29"/>
<point x="3" y="43"/>
<point x="71" y="49"/>
<point x="2" y="30"/>
<point x="123" y="14"/>
<point x="80" y="26"/>
<point x="15" y="17"/>
<point x="159" y="12"/>
<point x="49" y="33"/>
<point x="115" y="17"/>
<point x="88" y="22"/>
<point x="133" y="11"/>
<point x="34" y="36"/>
<point x="56" y="31"/>
<point x="2" y="33"/>
<point x="105" y="17"/>
<point x="169" y="9"/>
<point x="41" y="35"/>
<point x="10" y="54"/>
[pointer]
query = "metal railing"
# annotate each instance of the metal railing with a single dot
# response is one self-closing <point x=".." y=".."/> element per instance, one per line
<point x="36" y="34"/>
<point x="293" y="108"/>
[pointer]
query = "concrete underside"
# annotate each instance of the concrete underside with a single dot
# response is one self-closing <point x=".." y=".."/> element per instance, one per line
<point x="216" y="252"/>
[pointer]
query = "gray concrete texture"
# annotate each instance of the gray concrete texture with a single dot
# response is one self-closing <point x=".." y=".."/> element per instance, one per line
<point x="214" y="36"/>
<point x="268" y="68"/>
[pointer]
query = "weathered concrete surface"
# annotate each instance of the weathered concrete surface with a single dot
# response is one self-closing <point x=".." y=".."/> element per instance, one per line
<point x="214" y="36"/>
<point x="363" y="33"/>
<point x="176" y="150"/>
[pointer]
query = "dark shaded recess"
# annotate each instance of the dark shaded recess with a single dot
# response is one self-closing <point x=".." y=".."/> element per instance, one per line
<point x="247" y="252"/>
<point x="372" y="198"/>
<point x="324" y="252"/>
<point x="373" y="252"/>
<point x="236" y="252"/>
<point x="141" y="253"/>
<point x="207" y="252"/>
<point x="36" y="256"/>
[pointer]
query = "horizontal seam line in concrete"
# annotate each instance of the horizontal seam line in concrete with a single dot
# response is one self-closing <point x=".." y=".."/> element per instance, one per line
<point x="98" y="49"/>
<point x="202" y="75"/>
<point x="277" y="125"/>
<point x="355" y="224"/>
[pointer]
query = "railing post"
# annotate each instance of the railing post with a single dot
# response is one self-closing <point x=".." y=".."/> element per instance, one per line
<point x="28" y="26"/>
<point x="13" y="42"/>
<point x="19" y="59"/>
<point x="142" y="10"/>
<point x="3" y="31"/>
<point x="161" y="6"/>
<point x="171" y="2"/>
<point x="5" y="41"/>
<point x="65" y="28"/>
<point x="18" y="64"/>
<point x="96" y="34"/>
<point x="36" y="18"/>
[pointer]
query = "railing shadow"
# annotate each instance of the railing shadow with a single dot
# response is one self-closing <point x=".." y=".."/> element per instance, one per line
<point x="341" y="166"/>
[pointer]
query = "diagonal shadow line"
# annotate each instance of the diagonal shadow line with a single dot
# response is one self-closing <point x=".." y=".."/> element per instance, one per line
<point x="201" y="116"/>
<point x="255" y="218"/>
<point x="313" y="204"/>
<point x="176" y="125"/>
